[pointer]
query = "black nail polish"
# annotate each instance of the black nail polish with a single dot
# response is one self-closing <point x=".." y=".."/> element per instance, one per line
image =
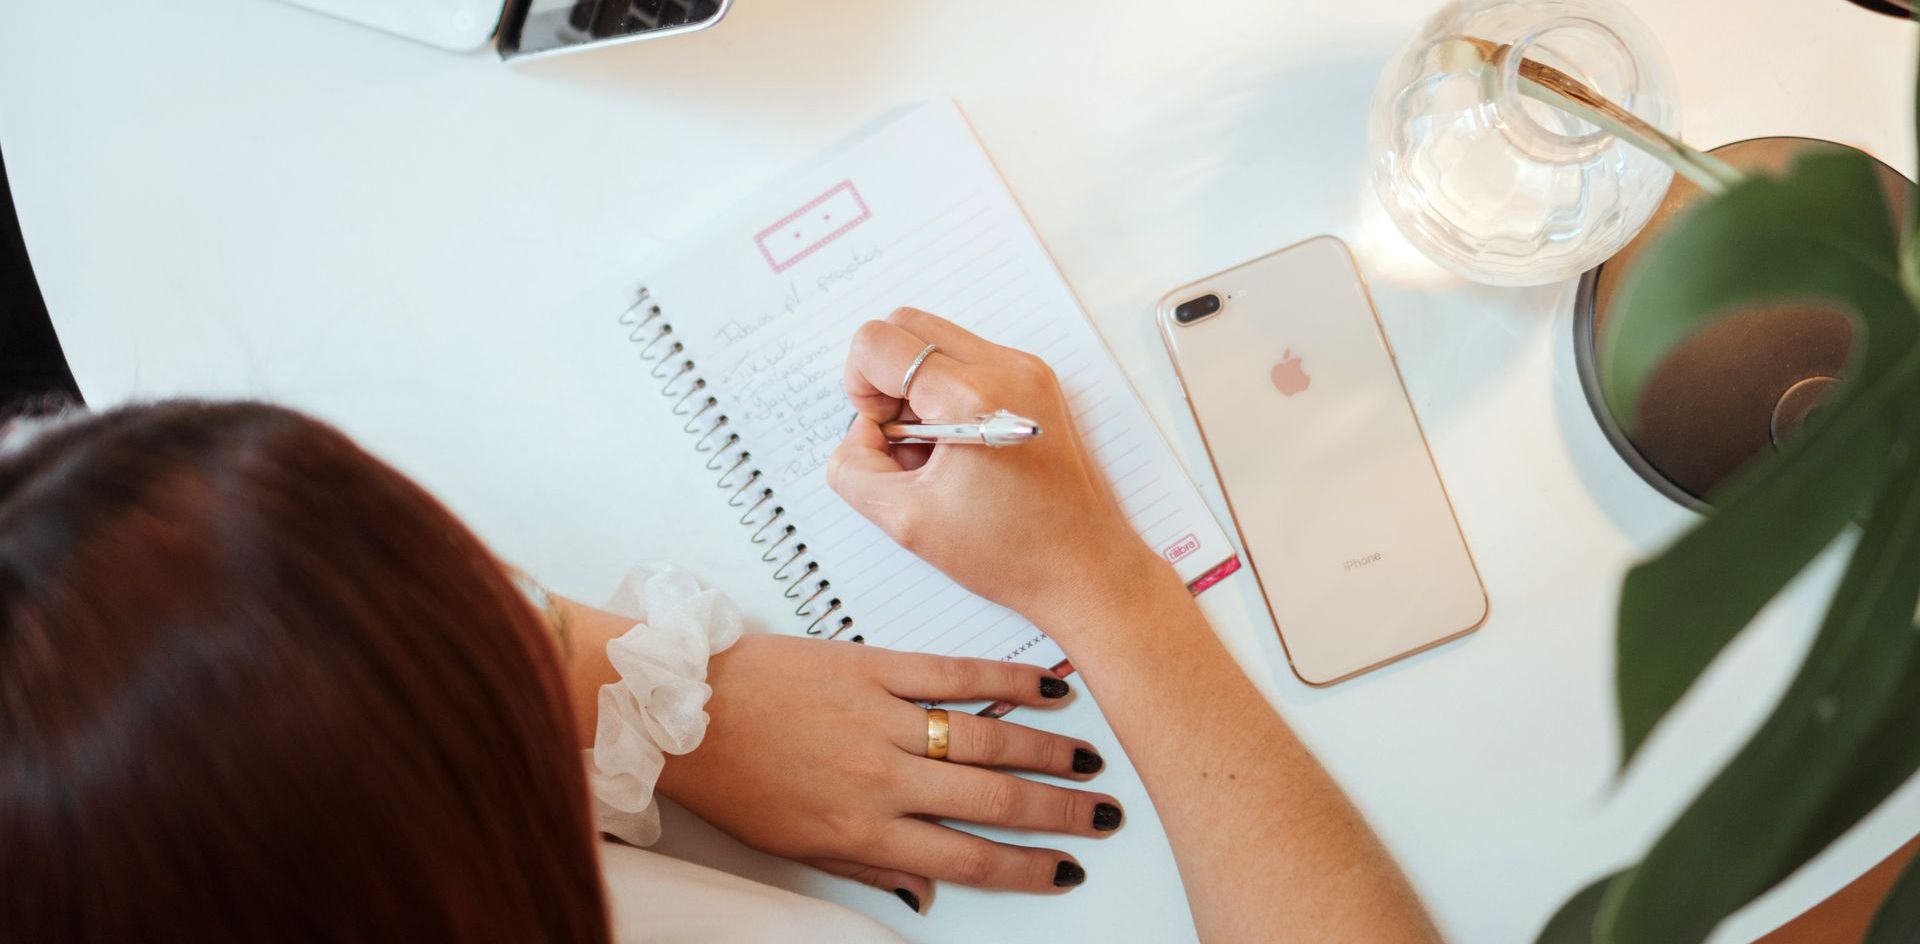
<point x="1068" y="874"/>
<point x="912" y="900"/>
<point x="1051" y="687"/>
<point x="1086" y="761"/>
<point x="1106" y="817"/>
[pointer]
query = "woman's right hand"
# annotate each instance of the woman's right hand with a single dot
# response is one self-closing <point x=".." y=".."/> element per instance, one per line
<point x="1035" y="527"/>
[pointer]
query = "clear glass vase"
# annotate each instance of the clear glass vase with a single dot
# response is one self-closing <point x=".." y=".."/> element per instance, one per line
<point x="1499" y="186"/>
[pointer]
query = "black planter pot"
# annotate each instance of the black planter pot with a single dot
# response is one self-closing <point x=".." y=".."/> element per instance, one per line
<point x="1732" y="393"/>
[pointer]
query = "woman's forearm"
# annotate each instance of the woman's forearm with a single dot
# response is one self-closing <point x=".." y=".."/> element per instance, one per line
<point x="1268" y="847"/>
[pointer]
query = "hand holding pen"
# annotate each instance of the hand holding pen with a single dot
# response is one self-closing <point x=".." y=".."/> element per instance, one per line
<point x="999" y="428"/>
<point x="1024" y="527"/>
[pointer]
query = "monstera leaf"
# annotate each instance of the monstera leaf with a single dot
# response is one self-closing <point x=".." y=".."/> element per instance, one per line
<point x="1847" y="731"/>
<point x="1821" y="233"/>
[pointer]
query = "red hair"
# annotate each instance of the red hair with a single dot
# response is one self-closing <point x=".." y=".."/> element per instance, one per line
<point x="256" y="685"/>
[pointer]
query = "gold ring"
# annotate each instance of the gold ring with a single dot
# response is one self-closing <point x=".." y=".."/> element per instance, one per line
<point x="937" y="729"/>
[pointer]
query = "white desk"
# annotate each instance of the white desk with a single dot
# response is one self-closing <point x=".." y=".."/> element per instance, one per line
<point x="233" y="197"/>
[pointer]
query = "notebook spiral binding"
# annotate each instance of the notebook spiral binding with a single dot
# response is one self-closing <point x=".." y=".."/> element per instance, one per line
<point x="680" y="382"/>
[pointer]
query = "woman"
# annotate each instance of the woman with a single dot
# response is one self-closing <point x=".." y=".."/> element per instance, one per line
<point x="254" y="684"/>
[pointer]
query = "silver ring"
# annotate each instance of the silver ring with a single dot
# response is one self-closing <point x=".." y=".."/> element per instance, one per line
<point x="906" y="382"/>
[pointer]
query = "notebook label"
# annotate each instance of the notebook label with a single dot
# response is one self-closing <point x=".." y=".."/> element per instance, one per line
<point x="1181" y="548"/>
<point x="811" y="228"/>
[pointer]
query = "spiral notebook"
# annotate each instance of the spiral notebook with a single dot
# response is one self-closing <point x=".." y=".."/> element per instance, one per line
<point x="747" y="331"/>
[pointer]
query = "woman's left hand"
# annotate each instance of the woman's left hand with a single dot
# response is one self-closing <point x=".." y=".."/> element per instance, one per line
<point x="817" y="752"/>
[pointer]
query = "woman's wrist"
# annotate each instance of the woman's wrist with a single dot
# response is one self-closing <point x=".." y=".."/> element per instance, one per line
<point x="584" y="662"/>
<point x="1108" y="600"/>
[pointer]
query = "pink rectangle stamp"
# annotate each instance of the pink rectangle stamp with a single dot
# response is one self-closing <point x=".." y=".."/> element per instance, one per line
<point x="1181" y="548"/>
<point x="811" y="228"/>
<point x="1225" y="569"/>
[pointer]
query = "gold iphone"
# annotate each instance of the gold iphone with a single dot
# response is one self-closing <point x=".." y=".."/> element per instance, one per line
<point x="1325" y="467"/>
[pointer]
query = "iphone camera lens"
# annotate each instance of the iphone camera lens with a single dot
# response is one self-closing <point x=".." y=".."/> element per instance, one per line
<point x="1194" y="309"/>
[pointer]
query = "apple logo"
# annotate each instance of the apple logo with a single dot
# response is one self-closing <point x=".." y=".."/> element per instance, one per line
<point x="1289" y="377"/>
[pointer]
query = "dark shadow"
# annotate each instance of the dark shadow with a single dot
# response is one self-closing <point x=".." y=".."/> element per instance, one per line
<point x="31" y="365"/>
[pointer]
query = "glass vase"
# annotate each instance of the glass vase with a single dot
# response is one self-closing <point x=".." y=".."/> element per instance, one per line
<point x="1496" y="184"/>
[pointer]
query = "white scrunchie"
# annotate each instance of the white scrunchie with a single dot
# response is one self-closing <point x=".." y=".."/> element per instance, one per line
<point x="659" y="705"/>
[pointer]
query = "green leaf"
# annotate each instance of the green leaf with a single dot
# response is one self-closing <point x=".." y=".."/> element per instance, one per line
<point x="1806" y="235"/>
<point x="1678" y="610"/>
<point x="1910" y="254"/>
<point x="1888" y="756"/>
<point x="1820" y="232"/>
<point x="1575" y="922"/>
<point x="1745" y="831"/>
<point x="1910" y="257"/>
<point x="1898" y="920"/>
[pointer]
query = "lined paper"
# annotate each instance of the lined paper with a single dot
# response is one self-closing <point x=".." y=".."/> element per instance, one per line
<point x="913" y="216"/>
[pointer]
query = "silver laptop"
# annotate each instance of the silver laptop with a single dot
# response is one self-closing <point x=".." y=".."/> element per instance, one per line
<point x="520" y="29"/>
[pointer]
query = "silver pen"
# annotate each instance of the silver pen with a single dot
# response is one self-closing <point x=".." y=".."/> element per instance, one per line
<point x="998" y="428"/>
